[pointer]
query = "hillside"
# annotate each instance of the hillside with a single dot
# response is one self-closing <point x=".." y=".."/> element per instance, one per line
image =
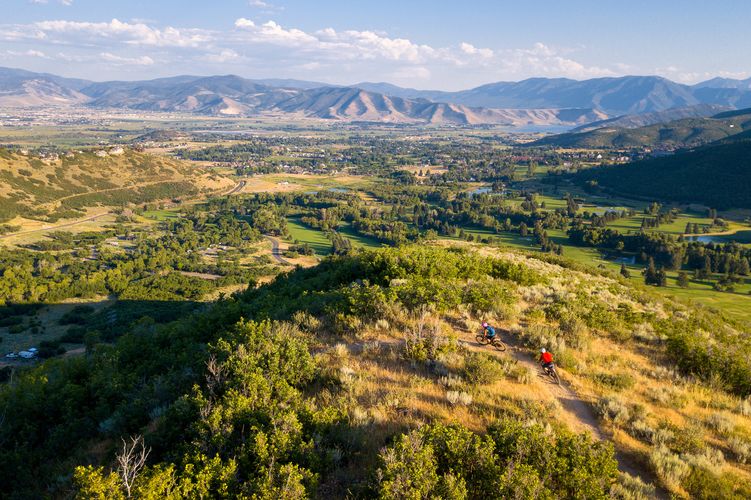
<point x="654" y="118"/>
<point x="55" y="186"/>
<point x="689" y="132"/>
<point x="361" y="377"/>
<point x="717" y="175"/>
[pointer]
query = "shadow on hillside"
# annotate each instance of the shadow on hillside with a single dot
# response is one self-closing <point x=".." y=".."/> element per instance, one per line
<point x="57" y="329"/>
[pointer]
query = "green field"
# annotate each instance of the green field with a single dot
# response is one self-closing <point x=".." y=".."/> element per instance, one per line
<point x="162" y="215"/>
<point x="358" y="240"/>
<point x="302" y="234"/>
<point x="320" y="243"/>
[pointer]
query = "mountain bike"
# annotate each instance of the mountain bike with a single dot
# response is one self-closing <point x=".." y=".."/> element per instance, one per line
<point x="551" y="372"/>
<point x="496" y="342"/>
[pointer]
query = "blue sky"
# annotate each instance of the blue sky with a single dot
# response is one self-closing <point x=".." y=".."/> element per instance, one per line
<point x="419" y="43"/>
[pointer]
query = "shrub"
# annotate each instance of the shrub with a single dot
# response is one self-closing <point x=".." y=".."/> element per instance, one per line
<point x="631" y="487"/>
<point x="459" y="398"/>
<point x="741" y="448"/>
<point x="489" y="297"/>
<point x="575" y="332"/>
<point x="744" y="407"/>
<point x="450" y="381"/>
<point x="523" y="374"/>
<point x="616" y="381"/>
<point x="702" y="483"/>
<point x="482" y="368"/>
<point x="568" y="361"/>
<point x="306" y="321"/>
<point x="669" y="467"/>
<point x="408" y="469"/>
<point x="642" y="430"/>
<point x="613" y="410"/>
<point x="720" y="423"/>
<point x="537" y="335"/>
<point x="74" y="335"/>
<point x="668" y="396"/>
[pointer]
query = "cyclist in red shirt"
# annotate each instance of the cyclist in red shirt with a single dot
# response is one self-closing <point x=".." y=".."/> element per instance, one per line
<point x="546" y="359"/>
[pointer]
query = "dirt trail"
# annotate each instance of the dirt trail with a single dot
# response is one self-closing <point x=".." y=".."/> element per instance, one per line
<point x="576" y="411"/>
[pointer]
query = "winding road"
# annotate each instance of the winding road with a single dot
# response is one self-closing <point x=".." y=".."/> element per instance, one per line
<point x="276" y="252"/>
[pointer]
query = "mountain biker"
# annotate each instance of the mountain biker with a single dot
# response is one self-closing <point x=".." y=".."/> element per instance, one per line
<point x="546" y="359"/>
<point x="488" y="331"/>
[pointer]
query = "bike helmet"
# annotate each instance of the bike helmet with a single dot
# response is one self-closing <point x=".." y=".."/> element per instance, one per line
<point x="543" y="350"/>
<point x="485" y="324"/>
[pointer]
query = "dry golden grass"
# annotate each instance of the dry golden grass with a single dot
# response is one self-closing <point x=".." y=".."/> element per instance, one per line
<point x="701" y="422"/>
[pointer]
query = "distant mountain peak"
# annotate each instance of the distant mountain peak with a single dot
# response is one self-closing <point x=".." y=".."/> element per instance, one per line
<point x="539" y="101"/>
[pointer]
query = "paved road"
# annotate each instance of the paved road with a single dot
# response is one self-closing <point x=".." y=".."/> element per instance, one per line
<point x="276" y="253"/>
<point x="237" y="188"/>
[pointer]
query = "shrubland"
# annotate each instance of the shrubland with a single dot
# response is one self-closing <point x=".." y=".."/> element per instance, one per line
<point x="360" y="378"/>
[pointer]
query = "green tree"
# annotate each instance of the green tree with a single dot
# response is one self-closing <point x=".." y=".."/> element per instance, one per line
<point x="683" y="280"/>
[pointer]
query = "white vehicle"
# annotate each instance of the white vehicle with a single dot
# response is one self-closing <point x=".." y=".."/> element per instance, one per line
<point x="27" y="354"/>
<point x="11" y="355"/>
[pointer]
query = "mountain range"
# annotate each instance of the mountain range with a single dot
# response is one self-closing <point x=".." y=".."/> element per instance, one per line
<point x="536" y="101"/>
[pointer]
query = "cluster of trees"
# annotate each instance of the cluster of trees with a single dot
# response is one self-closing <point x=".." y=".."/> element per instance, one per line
<point x="245" y="151"/>
<point x="666" y="251"/>
<point x="83" y="266"/>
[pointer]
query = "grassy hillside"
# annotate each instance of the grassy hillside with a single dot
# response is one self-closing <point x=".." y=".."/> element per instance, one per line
<point x="361" y="378"/>
<point x="55" y="186"/>
<point x="717" y="175"/>
<point x="677" y="134"/>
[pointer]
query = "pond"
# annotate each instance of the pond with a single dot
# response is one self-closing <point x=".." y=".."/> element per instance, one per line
<point x="487" y="190"/>
<point x="739" y="236"/>
<point x="624" y="260"/>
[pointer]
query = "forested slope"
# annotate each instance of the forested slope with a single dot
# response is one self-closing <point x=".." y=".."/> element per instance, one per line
<point x="717" y="175"/>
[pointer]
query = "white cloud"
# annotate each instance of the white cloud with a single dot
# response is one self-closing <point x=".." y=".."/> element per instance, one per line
<point x="273" y="50"/>
<point x="131" y="33"/>
<point x="224" y="56"/>
<point x="27" y="53"/>
<point x="471" y="50"/>
<point x="67" y="3"/>
<point x="136" y="61"/>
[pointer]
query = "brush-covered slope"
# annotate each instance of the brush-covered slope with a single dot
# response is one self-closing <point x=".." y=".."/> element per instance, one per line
<point x="689" y="132"/>
<point x="361" y="378"/>
<point x="717" y="175"/>
<point x="64" y="185"/>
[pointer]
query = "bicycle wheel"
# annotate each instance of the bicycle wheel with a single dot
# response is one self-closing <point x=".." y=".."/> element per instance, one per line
<point x="499" y="345"/>
<point x="554" y="376"/>
<point x="482" y="340"/>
